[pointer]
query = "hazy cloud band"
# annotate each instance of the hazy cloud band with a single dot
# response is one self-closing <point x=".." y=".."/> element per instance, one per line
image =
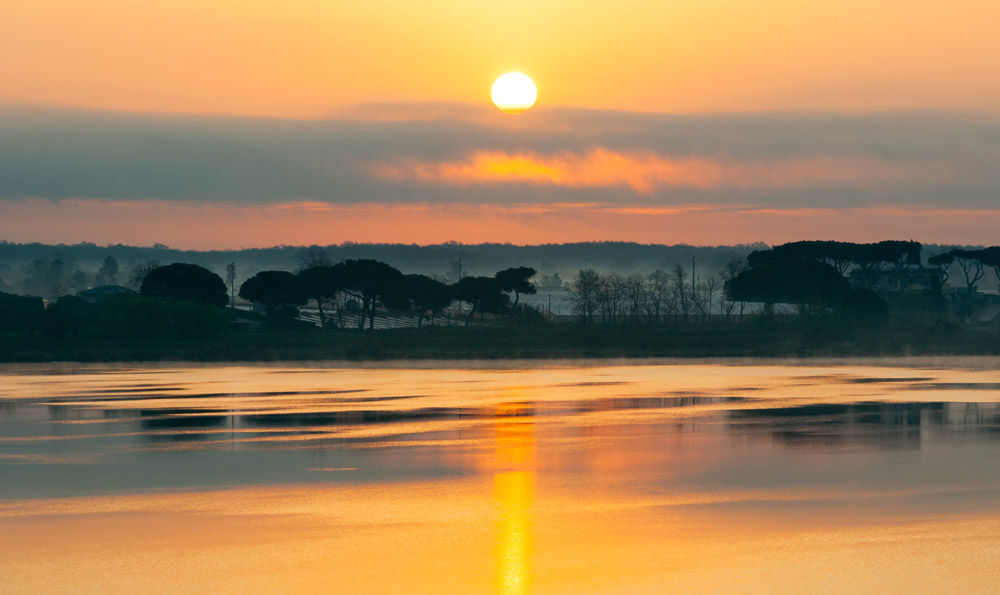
<point x="646" y="172"/>
<point x="556" y="156"/>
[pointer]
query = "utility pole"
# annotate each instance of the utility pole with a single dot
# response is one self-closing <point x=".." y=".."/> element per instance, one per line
<point x="457" y="264"/>
<point x="231" y="277"/>
<point x="692" y="275"/>
<point x="456" y="268"/>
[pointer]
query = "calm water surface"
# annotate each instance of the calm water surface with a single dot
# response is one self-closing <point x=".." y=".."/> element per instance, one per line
<point x="543" y="478"/>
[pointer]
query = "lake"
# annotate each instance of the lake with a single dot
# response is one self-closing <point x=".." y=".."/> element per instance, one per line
<point x="509" y="477"/>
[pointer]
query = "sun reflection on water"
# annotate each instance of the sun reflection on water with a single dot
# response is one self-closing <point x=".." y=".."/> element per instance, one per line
<point x="513" y="489"/>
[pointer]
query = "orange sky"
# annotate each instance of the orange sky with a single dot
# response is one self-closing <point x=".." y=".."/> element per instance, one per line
<point x="346" y="82"/>
<point x="224" y="226"/>
<point x="314" y="57"/>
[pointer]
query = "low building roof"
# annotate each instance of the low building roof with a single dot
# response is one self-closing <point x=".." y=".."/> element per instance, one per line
<point x="107" y="290"/>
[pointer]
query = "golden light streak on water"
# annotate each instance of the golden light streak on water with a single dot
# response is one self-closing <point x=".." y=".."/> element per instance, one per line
<point x="515" y="542"/>
<point x="513" y="488"/>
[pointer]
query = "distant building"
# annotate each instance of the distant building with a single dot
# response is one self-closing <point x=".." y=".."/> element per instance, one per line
<point x="103" y="292"/>
<point x="244" y="324"/>
<point x="907" y="280"/>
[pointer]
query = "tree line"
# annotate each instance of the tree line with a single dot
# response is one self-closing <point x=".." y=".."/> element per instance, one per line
<point x="56" y="276"/>
<point x="79" y="263"/>
<point x="186" y="300"/>
<point x="971" y="262"/>
<point x="810" y="275"/>
<point x="363" y="285"/>
<point x="656" y="297"/>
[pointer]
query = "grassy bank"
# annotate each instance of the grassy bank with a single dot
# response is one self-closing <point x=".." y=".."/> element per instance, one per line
<point x="756" y="338"/>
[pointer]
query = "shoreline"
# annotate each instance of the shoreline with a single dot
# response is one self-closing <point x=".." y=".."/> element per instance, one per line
<point x="969" y="362"/>
<point x="801" y="340"/>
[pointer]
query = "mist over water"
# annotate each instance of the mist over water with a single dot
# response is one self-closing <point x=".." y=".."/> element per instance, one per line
<point x="506" y="477"/>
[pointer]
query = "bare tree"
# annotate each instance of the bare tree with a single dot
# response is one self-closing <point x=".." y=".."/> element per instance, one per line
<point x="313" y="256"/>
<point x="972" y="268"/>
<point x="660" y="298"/>
<point x="108" y="273"/>
<point x="636" y="295"/>
<point x="612" y="294"/>
<point x="708" y="289"/>
<point x="585" y="292"/>
<point x="140" y="270"/>
<point x="680" y="290"/>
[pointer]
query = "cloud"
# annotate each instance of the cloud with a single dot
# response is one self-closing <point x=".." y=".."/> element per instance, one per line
<point x="448" y="154"/>
<point x="647" y="172"/>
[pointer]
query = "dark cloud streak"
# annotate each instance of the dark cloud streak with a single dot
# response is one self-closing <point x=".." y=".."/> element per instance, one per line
<point x="58" y="154"/>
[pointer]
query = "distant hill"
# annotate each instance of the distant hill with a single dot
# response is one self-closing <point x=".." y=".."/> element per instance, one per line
<point x="440" y="260"/>
<point x="79" y="263"/>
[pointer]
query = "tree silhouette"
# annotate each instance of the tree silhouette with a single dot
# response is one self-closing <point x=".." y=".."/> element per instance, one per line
<point x="321" y="283"/>
<point x="732" y="270"/>
<point x="279" y="291"/>
<point x="108" y="273"/>
<point x="870" y="258"/>
<point x="45" y="277"/>
<point x="991" y="258"/>
<point x="517" y="280"/>
<point x="802" y="282"/>
<point x="370" y="281"/>
<point x="140" y="270"/>
<point x="180" y="281"/>
<point x="20" y="313"/>
<point x="972" y="268"/>
<point x="67" y="315"/>
<point x="900" y="254"/>
<point x="426" y="295"/>
<point x="942" y="260"/>
<point x="484" y="294"/>
<point x="864" y="304"/>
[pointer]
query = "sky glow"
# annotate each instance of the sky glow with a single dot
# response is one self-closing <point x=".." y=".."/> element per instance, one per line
<point x="779" y="107"/>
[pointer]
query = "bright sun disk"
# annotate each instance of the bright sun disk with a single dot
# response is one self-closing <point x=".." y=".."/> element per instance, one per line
<point x="514" y="93"/>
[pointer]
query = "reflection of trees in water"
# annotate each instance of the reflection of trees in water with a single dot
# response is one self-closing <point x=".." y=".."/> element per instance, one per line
<point x="895" y="426"/>
<point x="972" y="417"/>
<point x="159" y="423"/>
<point x="878" y="425"/>
<point x="623" y="403"/>
<point x="37" y="410"/>
<point x="177" y="424"/>
<point x="959" y="386"/>
<point x="355" y="417"/>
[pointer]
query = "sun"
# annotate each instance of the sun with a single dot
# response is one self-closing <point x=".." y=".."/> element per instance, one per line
<point x="514" y="93"/>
